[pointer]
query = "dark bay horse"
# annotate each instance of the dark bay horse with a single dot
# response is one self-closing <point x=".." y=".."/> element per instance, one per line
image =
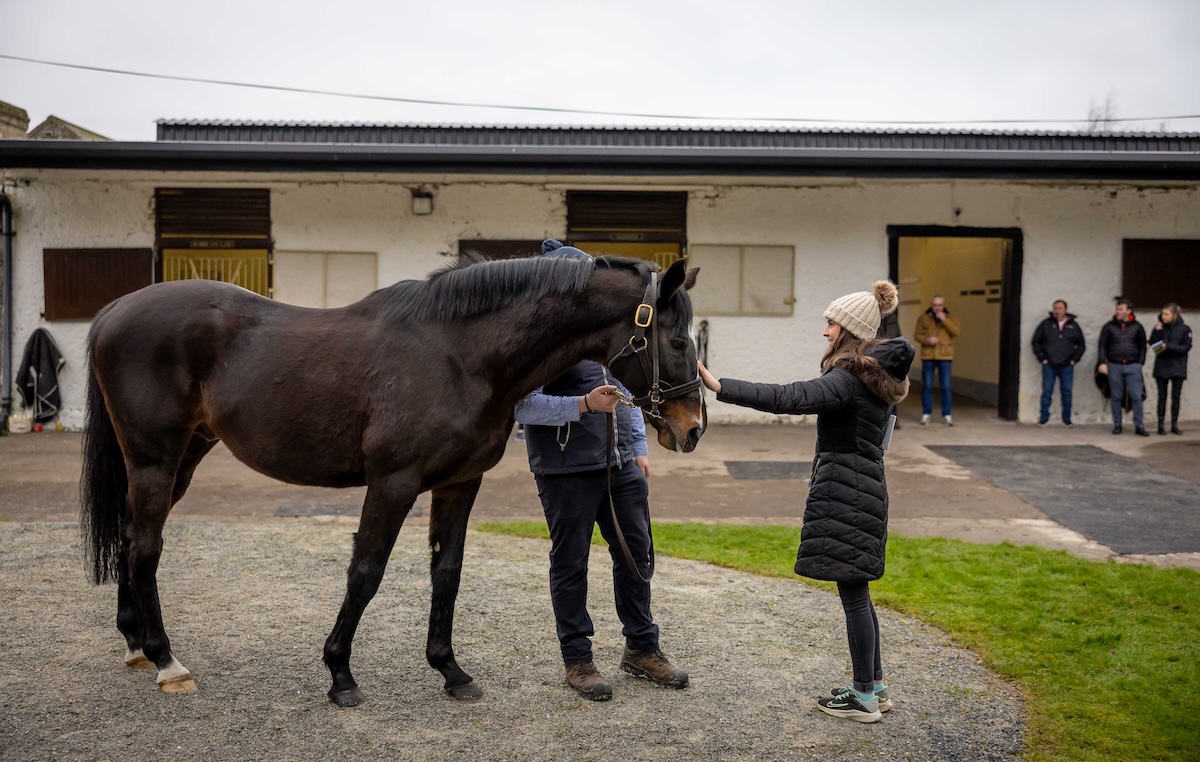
<point x="410" y="389"/>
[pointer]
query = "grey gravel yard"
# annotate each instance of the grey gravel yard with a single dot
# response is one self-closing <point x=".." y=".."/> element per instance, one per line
<point x="248" y="607"/>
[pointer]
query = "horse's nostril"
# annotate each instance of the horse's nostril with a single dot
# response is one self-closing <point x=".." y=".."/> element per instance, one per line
<point x="694" y="435"/>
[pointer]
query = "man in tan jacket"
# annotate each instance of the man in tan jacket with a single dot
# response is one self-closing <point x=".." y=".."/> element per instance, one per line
<point x="935" y="334"/>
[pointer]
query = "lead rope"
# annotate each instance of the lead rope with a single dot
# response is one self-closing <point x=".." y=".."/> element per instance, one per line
<point x="633" y="567"/>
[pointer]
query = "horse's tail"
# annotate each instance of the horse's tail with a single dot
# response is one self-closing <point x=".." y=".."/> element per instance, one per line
<point x="103" y="484"/>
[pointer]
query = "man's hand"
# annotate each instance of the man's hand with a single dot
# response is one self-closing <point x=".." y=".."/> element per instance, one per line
<point x="643" y="462"/>
<point x="602" y="399"/>
<point x="1047" y="362"/>
<point x="1103" y="368"/>
<point x="931" y="340"/>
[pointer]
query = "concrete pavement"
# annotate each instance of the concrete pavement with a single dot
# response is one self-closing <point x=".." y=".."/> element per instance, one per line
<point x="931" y="494"/>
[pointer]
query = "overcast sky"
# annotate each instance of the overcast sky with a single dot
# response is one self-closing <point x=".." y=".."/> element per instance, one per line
<point x="872" y="60"/>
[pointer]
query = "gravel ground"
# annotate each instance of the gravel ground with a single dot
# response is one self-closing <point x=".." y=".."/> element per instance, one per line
<point x="248" y="607"/>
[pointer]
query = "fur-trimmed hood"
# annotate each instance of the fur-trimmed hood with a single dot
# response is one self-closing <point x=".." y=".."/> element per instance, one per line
<point x="884" y="371"/>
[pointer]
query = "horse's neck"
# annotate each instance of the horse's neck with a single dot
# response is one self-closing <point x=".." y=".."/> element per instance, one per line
<point x="584" y="326"/>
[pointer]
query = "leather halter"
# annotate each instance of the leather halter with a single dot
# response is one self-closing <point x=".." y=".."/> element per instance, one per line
<point x="645" y="319"/>
<point x="639" y="345"/>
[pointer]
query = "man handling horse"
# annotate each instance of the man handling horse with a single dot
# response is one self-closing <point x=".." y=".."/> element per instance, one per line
<point x="567" y="440"/>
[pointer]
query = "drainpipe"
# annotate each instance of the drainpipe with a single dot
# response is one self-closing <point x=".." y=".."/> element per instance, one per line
<point x="6" y="227"/>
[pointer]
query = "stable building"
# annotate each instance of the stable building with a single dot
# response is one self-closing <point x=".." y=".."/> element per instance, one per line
<point x="780" y="221"/>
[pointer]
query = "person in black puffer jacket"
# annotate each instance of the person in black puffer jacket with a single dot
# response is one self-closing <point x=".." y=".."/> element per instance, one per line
<point x="1058" y="344"/>
<point x="845" y="519"/>
<point x="1170" y="362"/>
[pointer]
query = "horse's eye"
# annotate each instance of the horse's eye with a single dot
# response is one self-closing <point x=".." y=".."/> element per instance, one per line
<point x="680" y="344"/>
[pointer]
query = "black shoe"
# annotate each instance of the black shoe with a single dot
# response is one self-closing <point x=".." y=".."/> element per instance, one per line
<point x="1175" y="429"/>
<point x="1141" y="432"/>
<point x="1162" y="429"/>
<point x="1117" y="429"/>
<point x="848" y="705"/>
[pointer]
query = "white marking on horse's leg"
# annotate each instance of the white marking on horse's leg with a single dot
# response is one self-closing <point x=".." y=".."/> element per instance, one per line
<point x="175" y="678"/>
<point x="135" y="659"/>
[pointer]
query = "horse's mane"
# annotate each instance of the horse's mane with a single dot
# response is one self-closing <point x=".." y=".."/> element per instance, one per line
<point x="470" y="288"/>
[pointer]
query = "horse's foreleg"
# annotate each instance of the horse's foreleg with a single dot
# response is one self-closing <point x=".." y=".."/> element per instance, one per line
<point x="149" y="503"/>
<point x="387" y="504"/>
<point x="447" y="535"/>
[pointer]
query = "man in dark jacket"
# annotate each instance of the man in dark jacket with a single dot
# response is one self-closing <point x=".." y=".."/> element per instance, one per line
<point x="1122" y="349"/>
<point x="566" y="436"/>
<point x="1058" y="344"/>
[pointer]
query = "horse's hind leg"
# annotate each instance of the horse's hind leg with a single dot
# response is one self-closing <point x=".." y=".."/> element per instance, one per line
<point x="447" y="536"/>
<point x="129" y="618"/>
<point x="388" y="502"/>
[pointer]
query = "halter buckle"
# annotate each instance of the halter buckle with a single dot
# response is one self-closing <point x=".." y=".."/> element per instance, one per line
<point x="643" y="316"/>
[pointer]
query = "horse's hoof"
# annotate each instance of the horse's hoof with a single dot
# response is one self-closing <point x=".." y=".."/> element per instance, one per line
<point x="180" y="684"/>
<point x="137" y="660"/>
<point x="347" y="698"/>
<point x="466" y="692"/>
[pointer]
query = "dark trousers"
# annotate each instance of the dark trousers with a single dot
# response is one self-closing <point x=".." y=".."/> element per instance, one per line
<point x="943" y="372"/>
<point x="573" y="503"/>
<point x="1066" y="379"/>
<point x="1176" y="390"/>
<point x="862" y="630"/>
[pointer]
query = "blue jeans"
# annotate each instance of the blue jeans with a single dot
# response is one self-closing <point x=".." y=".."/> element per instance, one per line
<point x="1066" y="378"/>
<point x="1120" y="378"/>
<point x="943" y="371"/>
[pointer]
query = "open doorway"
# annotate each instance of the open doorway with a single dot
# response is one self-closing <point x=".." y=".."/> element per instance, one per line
<point x="978" y="273"/>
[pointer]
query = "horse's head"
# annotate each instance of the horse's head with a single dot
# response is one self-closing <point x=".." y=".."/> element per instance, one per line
<point x="665" y="387"/>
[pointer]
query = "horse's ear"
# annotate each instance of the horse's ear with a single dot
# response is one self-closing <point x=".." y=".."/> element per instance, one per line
<point x="672" y="279"/>
<point x="690" y="280"/>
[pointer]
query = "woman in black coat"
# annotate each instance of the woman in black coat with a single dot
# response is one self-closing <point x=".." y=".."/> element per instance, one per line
<point x="845" y="519"/>
<point x="1170" y="362"/>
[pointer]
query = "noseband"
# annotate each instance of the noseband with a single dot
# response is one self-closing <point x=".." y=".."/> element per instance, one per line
<point x="640" y="346"/>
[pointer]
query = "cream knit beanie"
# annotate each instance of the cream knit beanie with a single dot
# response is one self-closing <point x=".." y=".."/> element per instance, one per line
<point x="860" y="312"/>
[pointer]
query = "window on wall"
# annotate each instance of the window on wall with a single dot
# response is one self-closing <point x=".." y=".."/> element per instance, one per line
<point x="743" y="280"/>
<point x="78" y="282"/>
<point x="215" y="234"/>
<point x="1157" y="271"/>
<point x="498" y="249"/>
<point x="324" y="279"/>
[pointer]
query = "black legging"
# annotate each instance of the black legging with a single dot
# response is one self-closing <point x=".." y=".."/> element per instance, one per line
<point x="1176" y="389"/>
<point x="862" y="630"/>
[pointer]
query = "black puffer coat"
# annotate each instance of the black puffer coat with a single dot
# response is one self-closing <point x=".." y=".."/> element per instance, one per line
<point x="1177" y="340"/>
<point x="845" y="521"/>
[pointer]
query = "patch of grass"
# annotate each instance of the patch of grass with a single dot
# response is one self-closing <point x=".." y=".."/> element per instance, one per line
<point x="1106" y="654"/>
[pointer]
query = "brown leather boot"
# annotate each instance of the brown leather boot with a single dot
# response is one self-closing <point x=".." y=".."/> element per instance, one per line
<point x="654" y="666"/>
<point x="585" y="678"/>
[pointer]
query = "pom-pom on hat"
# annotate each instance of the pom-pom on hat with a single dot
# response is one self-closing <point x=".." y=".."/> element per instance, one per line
<point x="860" y="312"/>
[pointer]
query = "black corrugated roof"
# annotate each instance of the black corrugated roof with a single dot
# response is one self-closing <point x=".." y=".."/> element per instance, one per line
<point x="669" y="136"/>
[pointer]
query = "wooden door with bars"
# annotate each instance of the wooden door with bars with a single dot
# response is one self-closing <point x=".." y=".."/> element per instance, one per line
<point x="221" y="234"/>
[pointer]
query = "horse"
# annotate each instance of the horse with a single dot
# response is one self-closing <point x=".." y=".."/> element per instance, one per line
<point x="409" y="390"/>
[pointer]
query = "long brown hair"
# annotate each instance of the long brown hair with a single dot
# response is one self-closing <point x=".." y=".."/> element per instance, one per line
<point x="846" y="343"/>
<point x="1173" y="308"/>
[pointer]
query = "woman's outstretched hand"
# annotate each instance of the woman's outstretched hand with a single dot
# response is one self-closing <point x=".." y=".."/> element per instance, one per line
<point x="709" y="380"/>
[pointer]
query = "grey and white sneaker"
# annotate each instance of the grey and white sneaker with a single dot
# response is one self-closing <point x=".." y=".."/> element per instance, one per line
<point x="949" y="421"/>
<point x="925" y="419"/>
<point x="848" y="705"/>
<point x="883" y="694"/>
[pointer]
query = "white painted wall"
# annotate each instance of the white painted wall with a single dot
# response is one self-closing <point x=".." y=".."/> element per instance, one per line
<point x="838" y="228"/>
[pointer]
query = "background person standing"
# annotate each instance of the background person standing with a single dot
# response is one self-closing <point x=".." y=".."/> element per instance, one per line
<point x="1170" y="364"/>
<point x="1122" y="349"/>
<point x="1058" y="343"/>
<point x="936" y="331"/>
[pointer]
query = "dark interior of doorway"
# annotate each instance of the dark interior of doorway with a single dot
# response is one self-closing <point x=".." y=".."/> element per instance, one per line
<point x="1010" y="306"/>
